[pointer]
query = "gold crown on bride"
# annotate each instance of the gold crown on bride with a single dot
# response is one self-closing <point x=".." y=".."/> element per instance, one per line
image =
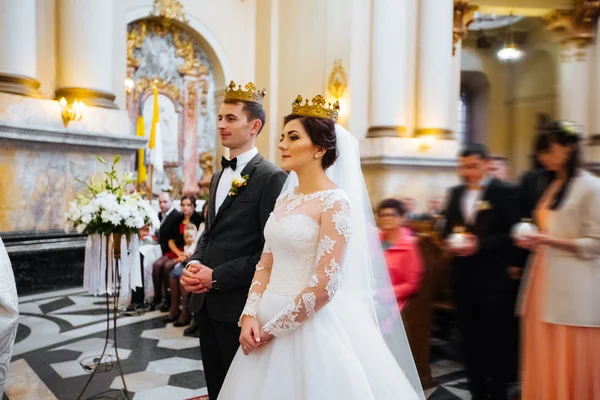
<point x="250" y="94"/>
<point x="317" y="109"/>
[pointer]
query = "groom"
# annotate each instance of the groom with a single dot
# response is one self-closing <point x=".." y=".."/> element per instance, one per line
<point x="221" y="270"/>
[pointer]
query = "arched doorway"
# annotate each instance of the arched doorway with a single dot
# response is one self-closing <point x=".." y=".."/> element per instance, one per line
<point x="179" y="62"/>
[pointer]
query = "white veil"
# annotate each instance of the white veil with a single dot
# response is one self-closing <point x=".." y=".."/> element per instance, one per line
<point x="9" y="314"/>
<point x="365" y="301"/>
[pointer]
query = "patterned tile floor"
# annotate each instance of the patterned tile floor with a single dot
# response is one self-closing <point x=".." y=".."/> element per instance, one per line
<point x="59" y="329"/>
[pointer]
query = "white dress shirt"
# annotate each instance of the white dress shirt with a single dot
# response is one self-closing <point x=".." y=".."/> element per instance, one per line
<point x="228" y="174"/>
<point x="470" y="199"/>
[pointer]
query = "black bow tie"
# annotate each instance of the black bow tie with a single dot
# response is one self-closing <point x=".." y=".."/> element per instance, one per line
<point x="229" y="163"/>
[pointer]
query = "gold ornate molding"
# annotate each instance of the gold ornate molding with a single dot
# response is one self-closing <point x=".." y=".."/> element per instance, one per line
<point x="168" y="88"/>
<point x="18" y="84"/>
<point x="135" y="40"/>
<point x="169" y="9"/>
<point x="577" y="25"/>
<point x="386" y="131"/>
<point x="184" y="46"/>
<point x="204" y="97"/>
<point x="464" y="12"/>
<point x="338" y="80"/>
<point x="185" y="49"/>
<point x="90" y="97"/>
<point x="192" y="102"/>
<point x="438" y="133"/>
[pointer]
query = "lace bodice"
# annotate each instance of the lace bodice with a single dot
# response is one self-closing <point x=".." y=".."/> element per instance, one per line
<point x="305" y="241"/>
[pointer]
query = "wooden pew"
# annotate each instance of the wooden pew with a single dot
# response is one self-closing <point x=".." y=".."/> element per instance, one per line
<point x="418" y="312"/>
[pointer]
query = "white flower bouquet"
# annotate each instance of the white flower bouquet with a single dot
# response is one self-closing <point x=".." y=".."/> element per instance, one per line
<point x="112" y="218"/>
<point x="109" y="208"/>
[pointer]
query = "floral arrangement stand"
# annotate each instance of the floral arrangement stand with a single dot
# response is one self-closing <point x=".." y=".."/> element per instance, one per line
<point x="106" y="362"/>
<point x="111" y="216"/>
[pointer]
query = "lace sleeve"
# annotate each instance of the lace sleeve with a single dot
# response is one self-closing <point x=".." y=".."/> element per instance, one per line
<point x="334" y="234"/>
<point x="262" y="275"/>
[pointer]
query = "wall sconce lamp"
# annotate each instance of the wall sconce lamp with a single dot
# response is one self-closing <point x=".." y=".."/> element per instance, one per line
<point x="338" y="80"/>
<point x="71" y="112"/>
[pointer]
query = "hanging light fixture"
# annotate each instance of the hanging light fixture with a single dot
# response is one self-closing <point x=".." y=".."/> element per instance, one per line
<point x="509" y="52"/>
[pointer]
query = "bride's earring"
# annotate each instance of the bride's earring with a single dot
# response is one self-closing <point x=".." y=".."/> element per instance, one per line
<point x="316" y="156"/>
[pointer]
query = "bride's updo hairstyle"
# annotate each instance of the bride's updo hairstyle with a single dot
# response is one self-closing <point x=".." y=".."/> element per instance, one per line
<point x="319" y="123"/>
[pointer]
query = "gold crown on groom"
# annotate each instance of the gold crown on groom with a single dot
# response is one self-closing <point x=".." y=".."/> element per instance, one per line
<point x="317" y="109"/>
<point x="250" y="94"/>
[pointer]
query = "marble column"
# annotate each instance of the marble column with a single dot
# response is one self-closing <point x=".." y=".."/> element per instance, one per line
<point x="85" y="51"/>
<point x="190" y="135"/>
<point x="393" y="66"/>
<point x="594" y="148"/>
<point x="435" y="69"/>
<point x="464" y="13"/>
<point x="455" y="90"/>
<point x="18" y="48"/>
<point x="575" y="72"/>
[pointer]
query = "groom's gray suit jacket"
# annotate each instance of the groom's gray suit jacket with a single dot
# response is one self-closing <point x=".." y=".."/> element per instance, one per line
<point x="233" y="240"/>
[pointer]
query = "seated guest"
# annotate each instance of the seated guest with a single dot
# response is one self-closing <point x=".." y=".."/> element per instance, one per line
<point x="146" y="237"/>
<point x="181" y="318"/>
<point x="434" y="209"/>
<point x="176" y="243"/>
<point x="148" y="248"/>
<point x="499" y="168"/>
<point x="409" y="205"/>
<point x="169" y="218"/>
<point x="401" y="251"/>
<point x="150" y="251"/>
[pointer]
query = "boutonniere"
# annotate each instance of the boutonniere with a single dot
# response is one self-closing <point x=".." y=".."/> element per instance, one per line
<point x="483" y="205"/>
<point x="238" y="182"/>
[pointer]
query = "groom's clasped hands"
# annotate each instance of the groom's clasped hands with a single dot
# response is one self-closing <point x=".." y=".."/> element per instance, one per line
<point x="197" y="278"/>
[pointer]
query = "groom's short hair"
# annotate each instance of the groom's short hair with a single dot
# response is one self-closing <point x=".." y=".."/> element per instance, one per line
<point x="252" y="110"/>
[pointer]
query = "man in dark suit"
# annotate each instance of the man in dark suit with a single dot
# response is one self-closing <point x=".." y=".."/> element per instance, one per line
<point x="224" y="263"/>
<point x="168" y="217"/>
<point x="485" y="208"/>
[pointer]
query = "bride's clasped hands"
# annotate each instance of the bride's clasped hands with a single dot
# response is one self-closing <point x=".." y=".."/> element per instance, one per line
<point x="252" y="336"/>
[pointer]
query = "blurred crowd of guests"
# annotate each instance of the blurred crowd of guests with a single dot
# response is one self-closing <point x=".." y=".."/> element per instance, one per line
<point x="528" y="307"/>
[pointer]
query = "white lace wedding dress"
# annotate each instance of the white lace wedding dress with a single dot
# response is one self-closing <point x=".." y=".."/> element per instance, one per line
<point x="293" y="296"/>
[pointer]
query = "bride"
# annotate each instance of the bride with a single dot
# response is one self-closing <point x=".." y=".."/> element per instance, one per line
<point x="8" y="314"/>
<point x="321" y="321"/>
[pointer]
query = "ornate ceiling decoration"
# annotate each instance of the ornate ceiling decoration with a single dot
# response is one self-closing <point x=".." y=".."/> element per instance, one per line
<point x="464" y="13"/>
<point x="576" y="25"/>
<point x="492" y="21"/>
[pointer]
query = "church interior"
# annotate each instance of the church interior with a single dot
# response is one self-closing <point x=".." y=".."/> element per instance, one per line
<point x="416" y="81"/>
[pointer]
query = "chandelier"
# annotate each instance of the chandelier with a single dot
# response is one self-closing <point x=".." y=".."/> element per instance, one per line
<point x="509" y="52"/>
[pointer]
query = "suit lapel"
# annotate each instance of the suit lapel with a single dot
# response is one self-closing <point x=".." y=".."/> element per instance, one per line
<point x="248" y="169"/>
<point x="458" y="204"/>
<point x="213" y="196"/>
